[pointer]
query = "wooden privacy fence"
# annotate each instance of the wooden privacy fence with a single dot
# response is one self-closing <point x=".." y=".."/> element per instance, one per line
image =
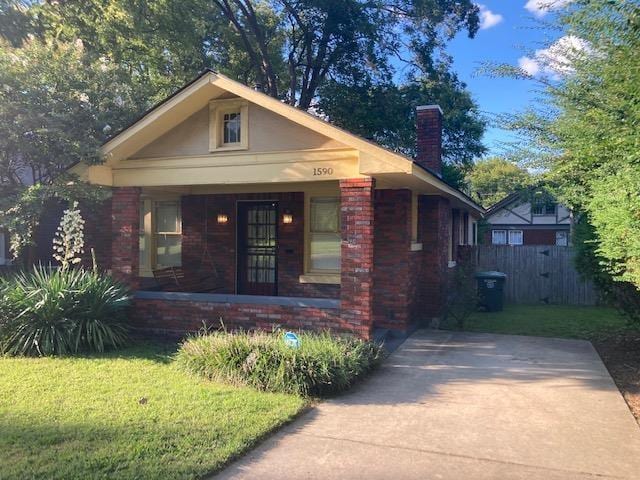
<point x="537" y="274"/>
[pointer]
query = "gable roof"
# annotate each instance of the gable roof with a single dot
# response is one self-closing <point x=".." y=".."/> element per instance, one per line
<point x="184" y="101"/>
<point x="512" y="197"/>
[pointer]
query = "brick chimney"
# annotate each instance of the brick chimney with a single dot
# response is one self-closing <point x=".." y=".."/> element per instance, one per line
<point x="429" y="137"/>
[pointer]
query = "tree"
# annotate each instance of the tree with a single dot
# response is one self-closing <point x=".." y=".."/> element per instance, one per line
<point x="387" y="113"/>
<point x="337" y="56"/>
<point x="587" y="131"/>
<point x="492" y="179"/>
<point x="290" y="47"/>
<point x="56" y="108"/>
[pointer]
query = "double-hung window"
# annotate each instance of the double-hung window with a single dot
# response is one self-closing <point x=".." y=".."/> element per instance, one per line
<point x="499" y="237"/>
<point x="228" y="125"/>
<point x="324" y="235"/>
<point x="168" y="234"/>
<point x="231" y="128"/>
<point x="515" y="237"/>
<point x="160" y="234"/>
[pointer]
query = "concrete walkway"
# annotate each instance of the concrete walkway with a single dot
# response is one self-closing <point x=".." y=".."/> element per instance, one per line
<point x="456" y="406"/>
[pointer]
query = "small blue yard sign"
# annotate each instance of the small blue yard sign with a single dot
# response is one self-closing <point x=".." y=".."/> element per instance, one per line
<point x="291" y="340"/>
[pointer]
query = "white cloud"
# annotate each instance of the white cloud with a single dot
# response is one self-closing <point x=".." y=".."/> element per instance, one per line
<point x="541" y="7"/>
<point x="488" y="19"/>
<point x="529" y="65"/>
<point x="556" y="60"/>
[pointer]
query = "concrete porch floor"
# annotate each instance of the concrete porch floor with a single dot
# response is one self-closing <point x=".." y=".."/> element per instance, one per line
<point x="455" y="405"/>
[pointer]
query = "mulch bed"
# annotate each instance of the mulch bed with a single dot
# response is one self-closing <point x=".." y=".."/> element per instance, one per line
<point x="621" y="355"/>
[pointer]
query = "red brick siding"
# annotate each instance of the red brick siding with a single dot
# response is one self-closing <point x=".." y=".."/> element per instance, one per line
<point x="429" y="139"/>
<point x="541" y="236"/>
<point x="125" y="224"/>
<point x="394" y="284"/>
<point x="435" y="240"/>
<point x="221" y="240"/>
<point x="356" y="292"/>
<point x="180" y="317"/>
<point x="383" y="282"/>
<point x="97" y="234"/>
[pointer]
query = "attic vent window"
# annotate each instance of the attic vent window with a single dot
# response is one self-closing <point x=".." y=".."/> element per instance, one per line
<point x="228" y="125"/>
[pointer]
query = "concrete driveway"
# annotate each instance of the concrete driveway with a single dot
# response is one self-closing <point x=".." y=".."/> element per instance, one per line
<point x="459" y="406"/>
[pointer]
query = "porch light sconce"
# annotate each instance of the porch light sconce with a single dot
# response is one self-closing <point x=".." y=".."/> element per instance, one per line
<point x="287" y="217"/>
<point x="223" y="218"/>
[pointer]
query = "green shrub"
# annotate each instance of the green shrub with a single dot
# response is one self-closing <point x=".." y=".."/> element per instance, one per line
<point x="53" y="312"/>
<point x="322" y="365"/>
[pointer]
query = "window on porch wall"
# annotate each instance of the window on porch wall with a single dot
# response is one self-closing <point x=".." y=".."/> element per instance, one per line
<point x="160" y="234"/>
<point x="324" y="235"/>
<point x="168" y="234"/>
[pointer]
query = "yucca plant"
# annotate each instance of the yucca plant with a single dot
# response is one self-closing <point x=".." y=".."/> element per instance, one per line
<point x="56" y="311"/>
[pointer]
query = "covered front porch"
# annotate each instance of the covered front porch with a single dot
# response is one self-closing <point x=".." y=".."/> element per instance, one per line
<point x="299" y="256"/>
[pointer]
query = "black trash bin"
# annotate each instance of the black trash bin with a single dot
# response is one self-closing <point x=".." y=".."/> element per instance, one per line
<point x="491" y="290"/>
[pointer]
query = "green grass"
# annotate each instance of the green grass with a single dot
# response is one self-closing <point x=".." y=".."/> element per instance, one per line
<point x="588" y="323"/>
<point x="81" y="417"/>
<point x="322" y="365"/>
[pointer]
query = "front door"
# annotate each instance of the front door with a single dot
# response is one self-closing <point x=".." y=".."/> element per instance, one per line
<point x="257" y="248"/>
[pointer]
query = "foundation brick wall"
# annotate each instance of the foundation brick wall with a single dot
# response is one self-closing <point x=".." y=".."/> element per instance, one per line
<point x="180" y="317"/>
<point x="356" y="291"/>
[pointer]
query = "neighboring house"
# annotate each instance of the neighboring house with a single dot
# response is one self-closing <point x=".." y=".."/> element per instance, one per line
<point x="303" y="225"/>
<point x="531" y="217"/>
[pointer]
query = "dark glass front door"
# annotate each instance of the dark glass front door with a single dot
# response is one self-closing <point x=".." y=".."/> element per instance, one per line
<point x="257" y="248"/>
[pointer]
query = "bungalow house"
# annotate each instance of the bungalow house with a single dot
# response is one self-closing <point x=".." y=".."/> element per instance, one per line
<point x="300" y="223"/>
<point x="531" y="217"/>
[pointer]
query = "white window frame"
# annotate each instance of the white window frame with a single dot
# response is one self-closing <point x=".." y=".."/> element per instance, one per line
<point x="493" y="237"/>
<point x="521" y="237"/>
<point x="217" y="110"/>
<point x="566" y="238"/>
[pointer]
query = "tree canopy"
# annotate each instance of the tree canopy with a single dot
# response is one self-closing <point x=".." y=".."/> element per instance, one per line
<point x="492" y="179"/>
<point x="586" y="134"/>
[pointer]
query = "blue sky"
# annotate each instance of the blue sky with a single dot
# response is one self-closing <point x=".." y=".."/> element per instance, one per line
<point x="510" y="33"/>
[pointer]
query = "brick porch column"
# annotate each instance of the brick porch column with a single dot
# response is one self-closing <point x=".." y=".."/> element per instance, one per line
<point x="125" y="220"/>
<point x="356" y="290"/>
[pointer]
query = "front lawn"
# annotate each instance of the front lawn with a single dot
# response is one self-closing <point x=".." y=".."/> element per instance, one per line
<point x="588" y="323"/>
<point x="130" y="414"/>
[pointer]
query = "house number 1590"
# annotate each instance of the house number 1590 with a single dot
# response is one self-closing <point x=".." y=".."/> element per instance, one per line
<point x="322" y="171"/>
